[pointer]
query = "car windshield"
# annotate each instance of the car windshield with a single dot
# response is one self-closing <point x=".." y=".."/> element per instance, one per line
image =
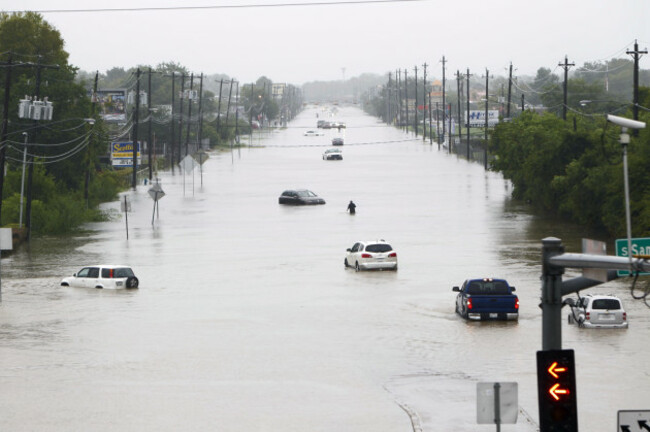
<point x="380" y="247"/>
<point x="487" y="288"/>
<point x="306" y="193"/>
<point x="605" y="304"/>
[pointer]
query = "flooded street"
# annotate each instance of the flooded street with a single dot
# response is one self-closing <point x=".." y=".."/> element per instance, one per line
<point x="247" y="320"/>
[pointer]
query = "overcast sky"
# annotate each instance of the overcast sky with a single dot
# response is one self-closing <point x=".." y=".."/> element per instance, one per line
<point x="295" y="44"/>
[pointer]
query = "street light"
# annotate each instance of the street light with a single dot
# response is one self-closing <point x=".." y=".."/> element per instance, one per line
<point x="625" y="123"/>
<point x="22" y="182"/>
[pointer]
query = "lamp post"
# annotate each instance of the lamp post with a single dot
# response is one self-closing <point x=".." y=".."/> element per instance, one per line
<point x="626" y="124"/>
<point x="22" y="182"/>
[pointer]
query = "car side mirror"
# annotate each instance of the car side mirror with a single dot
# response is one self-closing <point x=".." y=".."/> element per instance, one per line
<point x="74" y="274"/>
<point x="456" y="289"/>
<point x="349" y="250"/>
<point x="513" y="288"/>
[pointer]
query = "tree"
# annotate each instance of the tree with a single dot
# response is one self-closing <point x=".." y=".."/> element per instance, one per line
<point x="60" y="146"/>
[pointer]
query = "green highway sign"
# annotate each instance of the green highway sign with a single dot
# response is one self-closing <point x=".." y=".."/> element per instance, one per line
<point x="640" y="246"/>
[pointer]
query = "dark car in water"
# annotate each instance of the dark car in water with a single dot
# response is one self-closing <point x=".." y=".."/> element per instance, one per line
<point x="300" y="197"/>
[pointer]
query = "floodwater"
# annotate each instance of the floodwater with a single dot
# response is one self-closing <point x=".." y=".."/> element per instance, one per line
<point x="246" y="320"/>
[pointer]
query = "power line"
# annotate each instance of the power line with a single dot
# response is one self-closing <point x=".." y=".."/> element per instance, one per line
<point x="245" y="6"/>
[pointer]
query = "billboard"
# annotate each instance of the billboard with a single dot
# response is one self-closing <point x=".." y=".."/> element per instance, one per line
<point x="122" y="154"/>
<point x="477" y="118"/>
<point x="112" y="104"/>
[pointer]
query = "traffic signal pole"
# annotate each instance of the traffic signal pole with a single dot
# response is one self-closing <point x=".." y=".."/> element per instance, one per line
<point x="554" y="261"/>
<point x="557" y="390"/>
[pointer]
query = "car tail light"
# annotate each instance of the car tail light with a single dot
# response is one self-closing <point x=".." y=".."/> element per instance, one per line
<point x="469" y="303"/>
<point x="624" y="316"/>
<point x="111" y="274"/>
<point x="587" y="316"/>
<point x="392" y="255"/>
<point x="365" y="255"/>
<point x="516" y="303"/>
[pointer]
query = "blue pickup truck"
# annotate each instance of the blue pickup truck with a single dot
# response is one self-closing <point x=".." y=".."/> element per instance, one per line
<point x="487" y="298"/>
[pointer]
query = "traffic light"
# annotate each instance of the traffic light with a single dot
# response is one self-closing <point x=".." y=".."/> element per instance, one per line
<point x="556" y="389"/>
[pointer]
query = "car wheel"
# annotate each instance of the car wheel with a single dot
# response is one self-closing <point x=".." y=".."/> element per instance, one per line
<point x="345" y="261"/>
<point x="356" y="266"/>
<point x="132" y="282"/>
<point x="65" y="284"/>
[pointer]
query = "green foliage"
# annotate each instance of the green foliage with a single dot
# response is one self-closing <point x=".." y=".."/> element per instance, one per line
<point x="573" y="169"/>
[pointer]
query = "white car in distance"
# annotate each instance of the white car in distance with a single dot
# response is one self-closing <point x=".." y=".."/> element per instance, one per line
<point x="371" y="255"/>
<point x="103" y="276"/>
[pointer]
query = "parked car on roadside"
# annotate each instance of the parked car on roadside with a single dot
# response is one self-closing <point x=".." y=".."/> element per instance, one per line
<point x="312" y="133"/>
<point x="333" y="154"/>
<point x="486" y="298"/>
<point x="371" y="255"/>
<point x="337" y="141"/>
<point x="597" y="311"/>
<point x="300" y="197"/>
<point x="103" y="276"/>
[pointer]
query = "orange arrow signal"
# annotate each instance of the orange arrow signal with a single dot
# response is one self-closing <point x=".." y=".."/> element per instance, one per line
<point x="553" y="369"/>
<point x="555" y="391"/>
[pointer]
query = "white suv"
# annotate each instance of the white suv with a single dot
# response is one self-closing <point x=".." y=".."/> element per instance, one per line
<point x="598" y="311"/>
<point x="103" y="276"/>
<point x="371" y="255"/>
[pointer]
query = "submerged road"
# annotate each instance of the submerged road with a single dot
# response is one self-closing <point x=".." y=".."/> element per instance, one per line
<point x="247" y="320"/>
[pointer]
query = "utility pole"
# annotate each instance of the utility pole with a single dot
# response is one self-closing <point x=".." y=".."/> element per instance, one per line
<point x="200" y="113"/>
<point x="636" y="55"/>
<point x="438" y="125"/>
<point x="399" y="97"/>
<point x="190" y="98"/>
<point x="430" y="122"/>
<point x="237" y="116"/>
<point x="136" y="120"/>
<point x="149" y="139"/>
<point x="172" y="132"/>
<point x="459" y="92"/>
<point x="565" y="66"/>
<point x="87" y="161"/>
<point x="450" y="135"/>
<point x="424" y="103"/>
<point x="30" y="176"/>
<point x="487" y="99"/>
<point x="415" y="114"/>
<point x="444" y="106"/>
<point x="509" y="90"/>
<point x="250" y="114"/>
<point x="468" y="150"/>
<point x="406" y="100"/>
<point x="389" y="118"/>
<point x="219" y="107"/>
<point x="232" y="81"/>
<point x="180" y="117"/>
